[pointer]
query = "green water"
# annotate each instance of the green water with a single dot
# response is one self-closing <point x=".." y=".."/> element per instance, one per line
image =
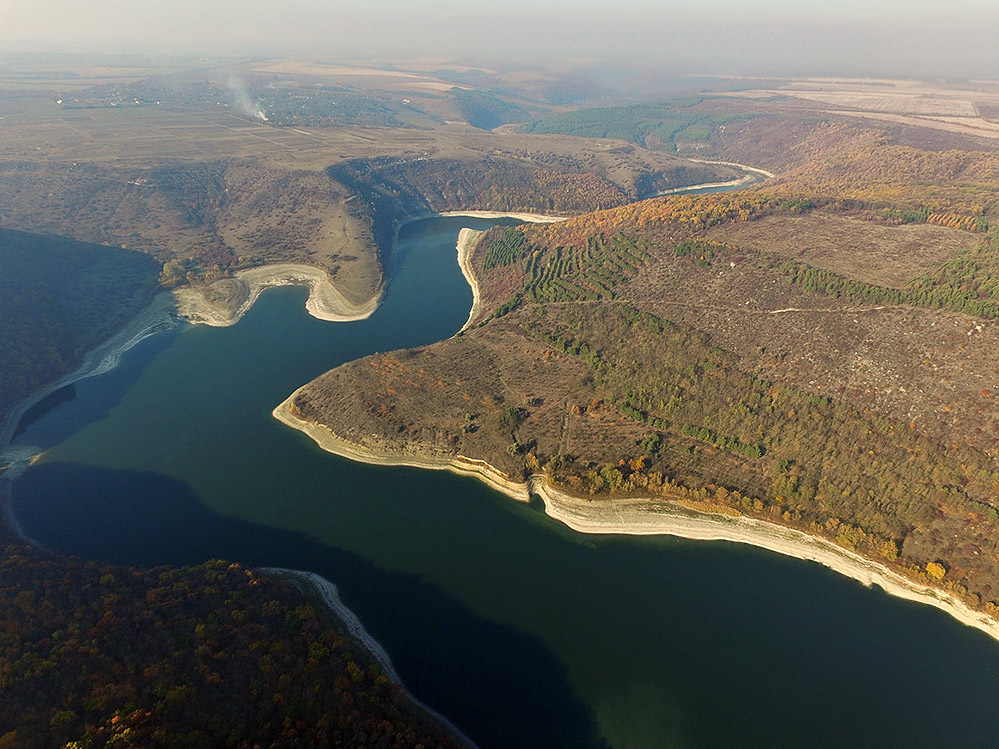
<point x="519" y="630"/>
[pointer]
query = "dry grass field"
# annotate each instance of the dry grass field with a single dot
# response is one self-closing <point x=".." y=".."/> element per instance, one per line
<point x="852" y="247"/>
<point x="960" y="110"/>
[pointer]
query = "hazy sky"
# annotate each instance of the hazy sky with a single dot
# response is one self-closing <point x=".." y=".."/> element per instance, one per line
<point x="915" y="37"/>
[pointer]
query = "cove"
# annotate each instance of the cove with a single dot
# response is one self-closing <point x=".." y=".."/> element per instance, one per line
<point x="521" y="631"/>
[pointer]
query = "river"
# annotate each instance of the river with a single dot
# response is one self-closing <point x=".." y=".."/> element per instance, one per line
<point x="521" y="631"/>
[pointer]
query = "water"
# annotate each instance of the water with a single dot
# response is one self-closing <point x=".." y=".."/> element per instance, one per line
<point x="518" y="629"/>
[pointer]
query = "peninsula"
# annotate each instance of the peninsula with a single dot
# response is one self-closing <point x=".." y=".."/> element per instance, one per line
<point x="811" y="354"/>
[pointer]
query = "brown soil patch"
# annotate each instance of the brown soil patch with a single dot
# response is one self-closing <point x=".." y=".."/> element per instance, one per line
<point x="885" y="255"/>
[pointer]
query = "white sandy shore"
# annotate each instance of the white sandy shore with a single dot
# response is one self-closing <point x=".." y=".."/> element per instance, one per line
<point x="654" y="516"/>
<point x="327" y="591"/>
<point x="744" y="167"/>
<point x="468" y="240"/>
<point x="325" y="301"/>
<point x="327" y="440"/>
<point x="744" y="180"/>
<point x="659" y="517"/>
<point x="534" y="218"/>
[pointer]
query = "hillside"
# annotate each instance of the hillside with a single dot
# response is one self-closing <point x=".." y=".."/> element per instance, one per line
<point x="817" y="352"/>
<point x="102" y="655"/>
<point x="158" y="174"/>
<point x="58" y="298"/>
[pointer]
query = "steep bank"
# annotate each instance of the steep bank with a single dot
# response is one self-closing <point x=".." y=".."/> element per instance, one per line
<point x="329" y="441"/>
<point x="649" y="516"/>
<point x="657" y="516"/>
<point x="159" y="315"/>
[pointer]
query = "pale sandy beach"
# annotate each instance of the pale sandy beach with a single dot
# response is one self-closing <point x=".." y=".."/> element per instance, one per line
<point x="534" y="218"/>
<point x="325" y="301"/>
<point x="744" y="167"/>
<point x="467" y="241"/>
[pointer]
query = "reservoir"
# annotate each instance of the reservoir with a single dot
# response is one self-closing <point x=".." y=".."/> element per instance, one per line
<point x="521" y="631"/>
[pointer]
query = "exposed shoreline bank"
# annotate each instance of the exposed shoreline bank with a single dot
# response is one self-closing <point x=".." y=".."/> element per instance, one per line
<point x="649" y="516"/>
<point x="468" y="240"/>
<point x="355" y="631"/>
<point x="752" y="176"/>
<point x="158" y="316"/>
<point x="737" y="165"/>
<point x="330" y="442"/>
<point x="654" y="516"/>
<point x="325" y="301"/>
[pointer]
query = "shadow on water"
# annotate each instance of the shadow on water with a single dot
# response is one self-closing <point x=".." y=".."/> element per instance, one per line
<point x="62" y="413"/>
<point x="441" y="649"/>
<point x="46" y="405"/>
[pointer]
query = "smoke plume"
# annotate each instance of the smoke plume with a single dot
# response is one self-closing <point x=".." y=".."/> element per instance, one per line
<point x="242" y="101"/>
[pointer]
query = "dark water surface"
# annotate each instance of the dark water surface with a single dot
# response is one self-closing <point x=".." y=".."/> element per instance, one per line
<point x="521" y="631"/>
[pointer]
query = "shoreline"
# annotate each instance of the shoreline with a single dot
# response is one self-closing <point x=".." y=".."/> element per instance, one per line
<point x="531" y="218"/>
<point x="756" y="176"/>
<point x="325" y="301"/>
<point x="327" y="440"/>
<point x="158" y="316"/>
<point x="468" y="241"/>
<point x="650" y="516"/>
<point x="744" y="180"/>
<point x="653" y="516"/>
<point x="744" y="167"/>
<point x="352" y="628"/>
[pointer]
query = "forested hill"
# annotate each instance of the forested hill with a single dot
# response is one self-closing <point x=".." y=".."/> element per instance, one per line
<point x="59" y="298"/>
<point x="98" y="655"/>
<point x="818" y="352"/>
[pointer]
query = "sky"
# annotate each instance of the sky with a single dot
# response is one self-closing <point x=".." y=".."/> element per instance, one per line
<point x="916" y="38"/>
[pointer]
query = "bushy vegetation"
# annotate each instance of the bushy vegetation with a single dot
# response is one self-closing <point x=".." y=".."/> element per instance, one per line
<point x="215" y="655"/>
<point x="968" y="283"/>
<point x="509" y="247"/>
<point x="565" y="273"/>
